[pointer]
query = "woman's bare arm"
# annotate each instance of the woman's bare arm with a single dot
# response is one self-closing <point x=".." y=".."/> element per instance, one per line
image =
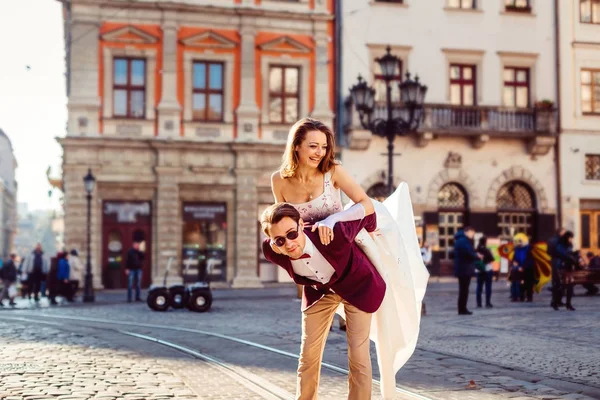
<point x="343" y="180"/>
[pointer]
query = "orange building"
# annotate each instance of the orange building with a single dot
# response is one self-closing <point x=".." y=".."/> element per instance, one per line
<point x="181" y="109"/>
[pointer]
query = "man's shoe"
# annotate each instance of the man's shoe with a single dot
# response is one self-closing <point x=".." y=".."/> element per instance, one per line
<point x="138" y="299"/>
<point x="570" y="307"/>
<point x="12" y="303"/>
<point x="466" y="312"/>
<point x="554" y="306"/>
<point x="489" y="305"/>
<point x="478" y="305"/>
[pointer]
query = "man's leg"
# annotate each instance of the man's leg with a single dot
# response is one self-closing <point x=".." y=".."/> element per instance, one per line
<point x="130" y="278"/>
<point x="315" y="327"/>
<point x="358" y="327"/>
<point x="489" y="275"/>
<point x="479" y="289"/>
<point x="138" y="285"/>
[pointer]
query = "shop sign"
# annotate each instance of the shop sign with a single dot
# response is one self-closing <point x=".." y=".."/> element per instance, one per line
<point x="204" y="211"/>
<point x="127" y="212"/>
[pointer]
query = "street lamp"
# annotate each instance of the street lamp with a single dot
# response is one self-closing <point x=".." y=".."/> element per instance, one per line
<point x="412" y="97"/>
<point x="88" y="292"/>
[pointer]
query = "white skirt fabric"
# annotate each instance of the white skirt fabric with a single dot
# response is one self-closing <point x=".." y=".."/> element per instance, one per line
<point x="394" y="250"/>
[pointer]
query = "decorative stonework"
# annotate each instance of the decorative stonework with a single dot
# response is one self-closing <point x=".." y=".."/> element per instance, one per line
<point x="517" y="173"/>
<point x="379" y="176"/>
<point x="359" y="139"/>
<point x="129" y="34"/>
<point x="540" y="145"/>
<point x="479" y="141"/>
<point x="285" y="44"/>
<point x="423" y="139"/>
<point x="209" y="39"/>
<point x="453" y="175"/>
<point x="454" y="160"/>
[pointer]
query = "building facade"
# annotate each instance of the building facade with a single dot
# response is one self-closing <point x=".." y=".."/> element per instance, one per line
<point x="579" y="46"/>
<point x="484" y="154"/>
<point x="8" y="197"/>
<point x="181" y="109"/>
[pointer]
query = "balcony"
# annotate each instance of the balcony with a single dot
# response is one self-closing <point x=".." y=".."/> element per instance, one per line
<point x="480" y="123"/>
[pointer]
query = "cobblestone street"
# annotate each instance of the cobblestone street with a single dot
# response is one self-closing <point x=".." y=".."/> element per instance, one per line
<point x="515" y="350"/>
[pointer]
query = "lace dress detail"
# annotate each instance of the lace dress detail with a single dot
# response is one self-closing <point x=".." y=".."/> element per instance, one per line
<point x="319" y="208"/>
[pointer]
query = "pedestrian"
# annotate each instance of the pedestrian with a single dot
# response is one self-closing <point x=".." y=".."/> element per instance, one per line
<point x="555" y="263"/>
<point x="8" y="273"/>
<point x="63" y="273"/>
<point x="134" y="268"/>
<point x="426" y="254"/>
<point x="464" y="265"/>
<point x="335" y="274"/>
<point x="76" y="276"/>
<point x="485" y="275"/>
<point x="523" y="261"/>
<point x="566" y="262"/>
<point x="36" y="266"/>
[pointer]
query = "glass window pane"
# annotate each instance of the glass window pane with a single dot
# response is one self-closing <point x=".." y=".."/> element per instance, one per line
<point x="585" y="231"/>
<point x="454" y="72"/>
<point x="216" y="76"/>
<point x="459" y="219"/>
<point x="509" y="75"/>
<point x="120" y="102"/>
<point x="585" y="10"/>
<point x="508" y="98"/>
<point x="522" y="97"/>
<point x="521" y="3"/>
<point x="199" y="76"/>
<point x="275" y="77"/>
<point x="215" y="107"/>
<point x="291" y="109"/>
<point x="586" y="106"/>
<point x="138" y="72"/>
<point x="450" y="218"/>
<point x="596" y="78"/>
<point x="468" y="95"/>
<point x="120" y="72"/>
<point x="468" y="73"/>
<point x="454" y="3"/>
<point x="291" y="80"/>
<point x="199" y="106"/>
<point x="586" y="77"/>
<point x="468" y="3"/>
<point x="522" y="76"/>
<point x="455" y="94"/>
<point x="137" y="103"/>
<point x="596" y="12"/>
<point x="442" y="218"/>
<point x="275" y="114"/>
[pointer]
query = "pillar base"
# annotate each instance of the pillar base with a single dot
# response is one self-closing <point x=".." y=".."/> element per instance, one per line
<point x="240" y="282"/>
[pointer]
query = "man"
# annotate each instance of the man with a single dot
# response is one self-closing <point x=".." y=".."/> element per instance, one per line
<point x="134" y="268"/>
<point x="9" y="277"/>
<point x="593" y="262"/>
<point x="464" y="265"/>
<point x="557" y="290"/>
<point x="333" y="274"/>
<point x="36" y="266"/>
<point x="523" y="260"/>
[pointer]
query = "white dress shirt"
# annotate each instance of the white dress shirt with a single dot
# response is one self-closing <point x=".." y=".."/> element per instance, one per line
<point x="316" y="267"/>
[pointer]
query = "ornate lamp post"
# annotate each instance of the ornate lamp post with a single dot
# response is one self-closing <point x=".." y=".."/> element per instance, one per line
<point x="88" y="292"/>
<point x="412" y="97"/>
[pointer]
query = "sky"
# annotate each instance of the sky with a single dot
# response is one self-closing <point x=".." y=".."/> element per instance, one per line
<point x="33" y="98"/>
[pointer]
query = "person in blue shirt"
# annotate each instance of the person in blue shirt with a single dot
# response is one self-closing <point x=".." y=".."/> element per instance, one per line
<point x="63" y="271"/>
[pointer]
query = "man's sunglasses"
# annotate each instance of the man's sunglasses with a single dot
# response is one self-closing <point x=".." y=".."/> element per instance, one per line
<point x="292" y="235"/>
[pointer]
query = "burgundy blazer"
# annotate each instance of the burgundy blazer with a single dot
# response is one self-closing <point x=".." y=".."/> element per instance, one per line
<point x="355" y="279"/>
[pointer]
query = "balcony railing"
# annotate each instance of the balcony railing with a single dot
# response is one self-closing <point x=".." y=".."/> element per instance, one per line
<point x="445" y="119"/>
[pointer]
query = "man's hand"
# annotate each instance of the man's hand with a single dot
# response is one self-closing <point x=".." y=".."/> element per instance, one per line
<point x="325" y="231"/>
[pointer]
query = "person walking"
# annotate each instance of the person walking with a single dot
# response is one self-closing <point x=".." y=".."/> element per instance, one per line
<point x="9" y="279"/>
<point x="36" y="266"/>
<point x="486" y="274"/>
<point x="76" y="271"/>
<point x="134" y="268"/>
<point x="464" y="268"/>
<point x="63" y="272"/>
<point x="567" y="263"/>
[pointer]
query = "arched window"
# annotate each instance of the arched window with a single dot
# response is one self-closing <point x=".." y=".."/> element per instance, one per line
<point x="378" y="191"/>
<point x="452" y="206"/>
<point x="516" y="206"/>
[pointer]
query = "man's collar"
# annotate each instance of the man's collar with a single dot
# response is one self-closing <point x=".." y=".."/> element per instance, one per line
<point x="309" y="247"/>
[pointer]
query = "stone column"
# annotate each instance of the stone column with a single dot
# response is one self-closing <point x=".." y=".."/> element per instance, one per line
<point x="169" y="107"/>
<point x="83" y="75"/>
<point x="322" y="110"/>
<point x="167" y="226"/>
<point x="247" y="112"/>
<point x="246" y="227"/>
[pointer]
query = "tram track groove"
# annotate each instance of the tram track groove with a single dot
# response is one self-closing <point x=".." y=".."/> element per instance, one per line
<point x="405" y="392"/>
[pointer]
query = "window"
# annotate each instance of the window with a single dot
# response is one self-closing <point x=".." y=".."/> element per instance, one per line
<point x="516" y="207"/>
<point x="379" y="84"/>
<point x="462" y="85"/>
<point x="129" y="87"/>
<point x="590" y="91"/>
<point x="590" y="230"/>
<point x="517" y="5"/>
<point x="464" y="4"/>
<point x="589" y="11"/>
<point x="516" y="87"/>
<point x="389" y="1"/>
<point x="452" y="205"/>
<point x="284" y="96"/>
<point x="207" y="96"/>
<point x="592" y="166"/>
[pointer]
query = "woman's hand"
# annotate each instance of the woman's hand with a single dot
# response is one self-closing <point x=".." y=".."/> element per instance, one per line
<point x="325" y="232"/>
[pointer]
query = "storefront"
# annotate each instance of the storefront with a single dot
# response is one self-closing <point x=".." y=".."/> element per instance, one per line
<point x="204" y="241"/>
<point x="123" y="223"/>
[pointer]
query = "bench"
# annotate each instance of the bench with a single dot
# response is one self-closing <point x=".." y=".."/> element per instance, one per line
<point x="578" y="277"/>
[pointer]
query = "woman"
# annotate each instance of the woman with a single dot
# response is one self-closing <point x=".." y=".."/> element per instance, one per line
<point x="312" y="180"/>
<point x="485" y="275"/>
<point x="564" y="251"/>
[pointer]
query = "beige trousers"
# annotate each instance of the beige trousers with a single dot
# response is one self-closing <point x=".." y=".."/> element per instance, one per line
<point x="315" y="328"/>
